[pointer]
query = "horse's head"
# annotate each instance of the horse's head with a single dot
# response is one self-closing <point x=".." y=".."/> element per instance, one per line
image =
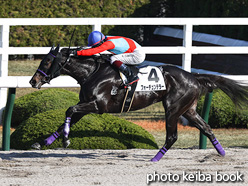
<point x="48" y="69"/>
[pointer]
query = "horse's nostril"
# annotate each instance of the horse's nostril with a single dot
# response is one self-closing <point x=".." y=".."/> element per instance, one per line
<point x="32" y="82"/>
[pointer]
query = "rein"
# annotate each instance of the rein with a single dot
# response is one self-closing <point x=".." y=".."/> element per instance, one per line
<point x="68" y="57"/>
<point x="48" y="78"/>
<point x="63" y="65"/>
<point x="57" y="66"/>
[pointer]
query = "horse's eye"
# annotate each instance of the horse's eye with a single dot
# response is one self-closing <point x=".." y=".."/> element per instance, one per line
<point x="47" y="62"/>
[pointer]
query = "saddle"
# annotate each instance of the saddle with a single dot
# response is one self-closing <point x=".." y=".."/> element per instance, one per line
<point x="151" y="79"/>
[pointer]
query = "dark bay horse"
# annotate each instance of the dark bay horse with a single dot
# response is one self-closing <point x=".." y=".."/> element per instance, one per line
<point x="97" y="78"/>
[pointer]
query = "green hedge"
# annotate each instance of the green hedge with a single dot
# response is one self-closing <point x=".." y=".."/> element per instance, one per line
<point x="91" y="132"/>
<point x="41" y="101"/>
<point x="48" y="35"/>
<point x="39" y="36"/>
<point x="223" y="112"/>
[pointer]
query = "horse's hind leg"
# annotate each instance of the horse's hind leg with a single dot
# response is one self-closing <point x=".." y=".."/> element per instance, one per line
<point x="196" y="120"/>
<point x="175" y="104"/>
<point x="173" y="112"/>
<point x="171" y="135"/>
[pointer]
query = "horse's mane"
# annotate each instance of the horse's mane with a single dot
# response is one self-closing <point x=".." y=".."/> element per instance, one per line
<point x="98" y="58"/>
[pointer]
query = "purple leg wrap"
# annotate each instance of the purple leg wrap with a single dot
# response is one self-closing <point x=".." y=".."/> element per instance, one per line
<point x="159" y="155"/>
<point x="218" y="147"/>
<point x="51" y="138"/>
<point x="68" y="120"/>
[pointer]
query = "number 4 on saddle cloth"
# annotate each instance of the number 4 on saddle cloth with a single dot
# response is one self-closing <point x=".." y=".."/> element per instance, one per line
<point x="151" y="79"/>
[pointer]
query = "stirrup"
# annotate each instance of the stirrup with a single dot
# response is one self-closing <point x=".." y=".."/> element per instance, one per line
<point x="134" y="79"/>
<point x="129" y="85"/>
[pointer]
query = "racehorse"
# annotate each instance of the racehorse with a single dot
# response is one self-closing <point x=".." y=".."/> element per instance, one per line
<point x="97" y="78"/>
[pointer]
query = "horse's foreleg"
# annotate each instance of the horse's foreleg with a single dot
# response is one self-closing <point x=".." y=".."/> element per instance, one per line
<point x="195" y="119"/>
<point x="49" y="140"/>
<point x="54" y="136"/>
<point x="73" y="115"/>
<point x="62" y="130"/>
<point x="66" y="131"/>
<point x="81" y="109"/>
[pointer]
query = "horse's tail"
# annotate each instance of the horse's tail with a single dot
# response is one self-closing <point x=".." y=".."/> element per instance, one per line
<point x="237" y="92"/>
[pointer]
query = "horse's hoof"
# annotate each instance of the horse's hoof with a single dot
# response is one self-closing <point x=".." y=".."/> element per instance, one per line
<point x="36" y="146"/>
<point x="154" y="160"/>
<point x="218" y="147"/>
<point x="221" y="152"/>
<point x="66" y="143"/>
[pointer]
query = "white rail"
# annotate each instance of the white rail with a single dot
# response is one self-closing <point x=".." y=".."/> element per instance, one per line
<point x="186" y="50"/>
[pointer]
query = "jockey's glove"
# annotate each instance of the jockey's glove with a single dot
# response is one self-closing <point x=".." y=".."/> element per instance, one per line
<point x="73" y="53"/>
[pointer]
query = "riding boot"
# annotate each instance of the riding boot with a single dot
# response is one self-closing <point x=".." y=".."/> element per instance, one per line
<point x="131" y="78"/>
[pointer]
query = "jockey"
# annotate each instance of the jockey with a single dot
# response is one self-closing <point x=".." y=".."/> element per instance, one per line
<point x="125" y="50"/>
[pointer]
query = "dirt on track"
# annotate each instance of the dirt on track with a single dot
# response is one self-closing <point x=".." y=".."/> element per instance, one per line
<point x="122" y="167"/>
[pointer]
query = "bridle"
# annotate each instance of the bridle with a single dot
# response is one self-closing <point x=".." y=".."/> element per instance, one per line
<point x="53" y="71"/>
<point x="57" y="66"/>
<point x="48" y="77"/>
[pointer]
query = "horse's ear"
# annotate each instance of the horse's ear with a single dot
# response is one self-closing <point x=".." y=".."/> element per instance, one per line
<point x="57" y="49"/>
<point x="52" y="48"/>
